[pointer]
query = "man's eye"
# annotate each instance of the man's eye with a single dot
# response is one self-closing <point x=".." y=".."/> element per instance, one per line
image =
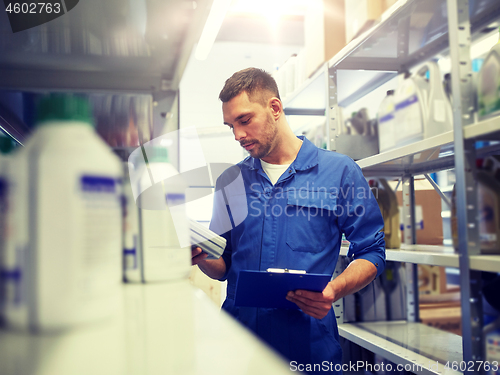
<point x="245" y="122"/>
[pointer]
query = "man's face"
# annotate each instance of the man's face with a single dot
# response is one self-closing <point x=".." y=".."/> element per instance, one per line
<point x="252" y="123"/>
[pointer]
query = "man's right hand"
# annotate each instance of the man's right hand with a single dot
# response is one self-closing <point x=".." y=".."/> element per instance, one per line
<point x="197" y="255"/>
<point x="214" y="269"/>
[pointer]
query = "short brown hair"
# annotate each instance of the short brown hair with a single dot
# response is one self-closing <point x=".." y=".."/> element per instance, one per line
<point x="252" y="80"/>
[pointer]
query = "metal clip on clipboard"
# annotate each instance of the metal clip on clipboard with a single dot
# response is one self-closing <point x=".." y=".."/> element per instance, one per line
<point x="285" y="270"/>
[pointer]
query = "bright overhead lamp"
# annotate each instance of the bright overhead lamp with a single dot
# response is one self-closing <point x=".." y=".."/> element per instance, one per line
<point x="211" y="29"/>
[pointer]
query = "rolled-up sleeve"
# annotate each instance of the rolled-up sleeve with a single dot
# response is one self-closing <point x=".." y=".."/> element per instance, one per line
<point x="360" y="219"/>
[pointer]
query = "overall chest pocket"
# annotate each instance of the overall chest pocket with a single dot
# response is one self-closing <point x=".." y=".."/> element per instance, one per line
<point x="310" y="221"/>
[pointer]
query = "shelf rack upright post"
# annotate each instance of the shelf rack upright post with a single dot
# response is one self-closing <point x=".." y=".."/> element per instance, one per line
<point x="466" y="196"/>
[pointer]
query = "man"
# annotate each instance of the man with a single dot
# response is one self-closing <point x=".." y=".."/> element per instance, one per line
<point x="300" y="199"/>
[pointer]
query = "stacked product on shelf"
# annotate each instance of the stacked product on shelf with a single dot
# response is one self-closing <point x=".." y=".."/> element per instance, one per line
<point x="439" y="302"/>
<point x="290" y="75"/>
<point x="61" y="262"/>
<point x="163" y="249"/>
<point x="358" y="138"/>
<point x="132" y="262"/>
<point x="439" y="116"/>
<point x="418" y="109"/>
<point x="381" y="300"/>
<point x="155" y="246"/>
<point x="488" y="203"/>
<point x="428" y="208"/>
<point x="387" y="123"/>
<point x="388" y="204"/>
<point x="489" y="84"/>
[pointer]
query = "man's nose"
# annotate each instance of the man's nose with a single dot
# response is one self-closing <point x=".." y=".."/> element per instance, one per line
<point x="239" y="133"/>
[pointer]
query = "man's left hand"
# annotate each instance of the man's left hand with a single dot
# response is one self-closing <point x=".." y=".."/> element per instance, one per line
<point x="314" y="304"/>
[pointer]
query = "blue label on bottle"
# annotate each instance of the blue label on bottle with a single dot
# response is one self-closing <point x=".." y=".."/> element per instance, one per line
<point x="175" y="199"/>
<point x="388" y="117"/>
<point x="130" y="257"/>
<point x="407" y="102"/>
<point x="98" y="184"/>
<point x="10" y="279"/>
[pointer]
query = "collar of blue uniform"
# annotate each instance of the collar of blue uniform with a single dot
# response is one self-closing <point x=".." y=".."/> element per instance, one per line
<point x="306" y="158"/>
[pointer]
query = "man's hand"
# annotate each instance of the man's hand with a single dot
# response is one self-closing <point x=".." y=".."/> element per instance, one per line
<point x="314" y="304"/>
<point x="197" y="255"/>
<point x="357" y="275"/>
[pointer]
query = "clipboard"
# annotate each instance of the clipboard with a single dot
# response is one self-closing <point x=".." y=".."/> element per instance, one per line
<point x="269" y="289"/>
<point x="208" y="241"/>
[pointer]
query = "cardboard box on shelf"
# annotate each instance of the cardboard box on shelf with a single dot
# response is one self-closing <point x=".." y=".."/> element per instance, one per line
<point x="330" y="24"/>
<point x="428" y="218"/>
<point x="324" y="32"/>
<point x="362" y="14"/>
<point x="444" y="318"/>
<point x="439" y="302"/>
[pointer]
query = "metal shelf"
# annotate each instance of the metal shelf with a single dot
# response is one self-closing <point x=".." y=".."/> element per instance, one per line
<point x="444" y="256"/>
<point x="162" y="328"/>
<point x="488" y="129"/>
<point x="409" y="33"/>
<point x="309" y="98"/>
<point x="423" y="156"/>
<point x="431" y="154"/>
<point x="489" y="263"/>
<point x="423" y="350"/>
<point x="113" y="46"/>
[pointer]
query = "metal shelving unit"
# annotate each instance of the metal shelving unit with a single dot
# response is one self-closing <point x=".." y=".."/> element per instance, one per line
<point x="444" y="256"/>
<point x="162" y="328"/>
<point x="113" y="47"/>
<point x="409" y="33"/>
<point x="106" y="47"/>
<point x="415" y="347"/>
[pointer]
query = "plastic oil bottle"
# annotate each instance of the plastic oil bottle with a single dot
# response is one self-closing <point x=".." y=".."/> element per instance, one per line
<point x="159" y="192"/>
<point x="489" y="210"/>
<point x="68" y="221"/>
<point x="388" y="205"/>
<point x="488" y="89"/>
<point x="410" y="108"/>
<point x="488" y="205"/>
<point x="387" y="123"/>
<point x="132" y="261"/>
<point x="439" y="117"/>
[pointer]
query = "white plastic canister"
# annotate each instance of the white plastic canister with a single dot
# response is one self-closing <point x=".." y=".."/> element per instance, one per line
<point x="68" y="221"/>
<point x="387" y="123"/>
<point x="488" y="89"/>
<point x="159" y="192"/>
<point x="439" y="116"/>
<point x="410" y="109"/>
<point x="132" y="259"/>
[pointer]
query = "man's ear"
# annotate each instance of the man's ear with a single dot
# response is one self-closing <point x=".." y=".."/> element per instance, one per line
<point x="276" y="107"/>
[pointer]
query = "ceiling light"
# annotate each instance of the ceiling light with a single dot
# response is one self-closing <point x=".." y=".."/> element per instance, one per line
<point x="211" y="29"/>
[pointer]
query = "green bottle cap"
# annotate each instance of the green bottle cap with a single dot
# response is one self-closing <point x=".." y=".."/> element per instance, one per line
<point x="63" y="107"/>
<point x="157" y="154"/>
